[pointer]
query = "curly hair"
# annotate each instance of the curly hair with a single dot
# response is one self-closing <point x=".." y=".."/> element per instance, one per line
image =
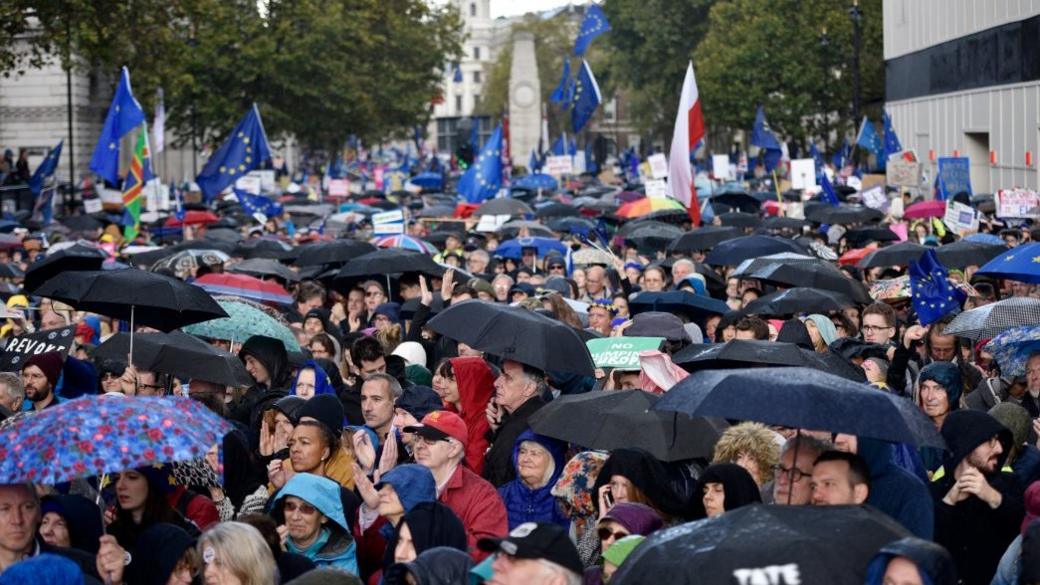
<point x="752" y="439"/>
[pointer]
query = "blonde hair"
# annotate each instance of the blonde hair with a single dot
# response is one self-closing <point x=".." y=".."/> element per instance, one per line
<point x="242" y="550"/>
<point x="752" y="439"/>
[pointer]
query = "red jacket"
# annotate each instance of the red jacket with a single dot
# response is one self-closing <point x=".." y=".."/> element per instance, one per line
<point x="476" y="387"/>
<point x="197" y="508"/>
<point x="477" y="503"/>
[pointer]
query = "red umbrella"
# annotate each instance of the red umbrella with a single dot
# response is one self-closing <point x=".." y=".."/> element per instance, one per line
<point x="193" y="217"/>
<point x="925" y="209"/>
<point x="245" y="286"/>
<point x="854" y="256"/>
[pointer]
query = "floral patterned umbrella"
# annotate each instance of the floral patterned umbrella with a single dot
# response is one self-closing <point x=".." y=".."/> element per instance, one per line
<point x="94" y="435"/>
<point x="1011" y="349"/>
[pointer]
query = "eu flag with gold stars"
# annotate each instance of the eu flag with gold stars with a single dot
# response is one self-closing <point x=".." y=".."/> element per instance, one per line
<point x="124" y="115"/>
<point x="932" y="293"/>
<point x="594" y="24"/>
<point x="586" y="98"/>
<point x="243" y="151"/>
<point x="483" y="179"/>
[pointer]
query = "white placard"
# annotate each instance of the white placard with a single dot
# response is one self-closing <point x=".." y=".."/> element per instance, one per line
<point x="803" y="173"/>
<point x="387" y="229"/>
<point x="491" y="223"/>
<point x="92" y="205"/>
<point x="875" y="198"/>
<point x="266" y="178"/>
<point x="720" y="167"/>
<point x="559" y="165"/>
<point x="658" y="165"/>
<point x="961" y="218"/>
<point x="338" y="188"/>
<point x="656" y="188"/>
<point x="394" y="216"/>
<point x="579" y="163"/>
<point x="1018" y="203"/>
<point x="110" y="196"/>
<point x="249" y="184"/>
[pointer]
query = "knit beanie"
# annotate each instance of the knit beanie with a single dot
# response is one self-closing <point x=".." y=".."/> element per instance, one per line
<point x="50" y="363"/>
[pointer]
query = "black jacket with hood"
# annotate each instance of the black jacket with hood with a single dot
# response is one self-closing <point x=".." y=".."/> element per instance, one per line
<point x="975" y="534"/>
<point x="272" y="354"/>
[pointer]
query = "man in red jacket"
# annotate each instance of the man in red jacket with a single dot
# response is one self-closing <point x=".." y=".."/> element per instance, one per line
<point x="441" y="446"/>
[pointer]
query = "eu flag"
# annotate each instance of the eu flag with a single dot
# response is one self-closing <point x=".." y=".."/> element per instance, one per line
<point x="586" y="98"/>
<point x="892" y="145"/>
<point x="534" y="163"/>
<point x="243" y="151"/>
<point x="869" y="140"/>
<point x="484" y="177"/>
<point x="124" y="114"/>
<point x="762" y="136"/>
<point x="932" y="294"/>
<point x="839" y="158"/>
<point x="457" y="77"/>
<point x="560" y="94"/>
<point x="252" y="204"/>
<point x="43" y="202"/>
<point x="817" y="158"/>
<point x="828" y="191"/>
<point x="594" y="24"/>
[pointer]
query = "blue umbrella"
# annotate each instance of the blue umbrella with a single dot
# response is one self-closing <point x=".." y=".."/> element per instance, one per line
<point x="536" y="181"/>
<point x="1021" y="264"/>
<point x="986" y="239"/>
<point x="514" y="248"/>
<point x="1013" y="347"/>
<point x="802" y="398"/>
<point x="429" y="181"/>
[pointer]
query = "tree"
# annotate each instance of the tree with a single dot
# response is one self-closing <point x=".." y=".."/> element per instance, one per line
<point x="770" y="53"/>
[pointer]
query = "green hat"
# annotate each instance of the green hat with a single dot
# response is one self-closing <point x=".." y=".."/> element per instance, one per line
<point x="619" y="551"/>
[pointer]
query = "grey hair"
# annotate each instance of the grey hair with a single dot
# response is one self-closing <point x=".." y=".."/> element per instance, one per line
<point x="806" y="444"/>
<point x="685" y="262"/>
<point x="395" y="387"/>
<point x="242" y="550"/>
<point x="570" y="577"/>
<point x="481" y="254"/>
<point x="13" y="384"/>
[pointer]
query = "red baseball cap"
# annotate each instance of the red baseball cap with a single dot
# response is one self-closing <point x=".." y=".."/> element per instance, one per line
<point x="439" y="425"/>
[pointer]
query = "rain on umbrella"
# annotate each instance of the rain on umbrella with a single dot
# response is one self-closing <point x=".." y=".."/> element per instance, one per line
<point x="336" y="252"/>
<point x="610" y="420"/>
<point x="95" y="436"/>
<point x="263" y="267"/>
<point x="901" y="254"/>
<point x="179" y="354"/>
<point x="504" y="206"/>
<point x="405" y="242"/>
<point x="516" y="334"/>
<point x="641" y="207"/>
<point x="246" y="287"/>
<point x="753" y="265"/>
<point x="963" y="253"/>
<point x="1013" y="347"/>
<point x="995" y="318"/>
<point x="750" y="353"/>
<point x="1021" y="263"/>
<point x="797" y="300"/>
<point x="818" y="276"/>
<point x="703" y="238"/>
<point x="739" y="219"/>
<point x="74" y="259"/>
<point x="733" y="252"/>
<point x="243" y="321"/>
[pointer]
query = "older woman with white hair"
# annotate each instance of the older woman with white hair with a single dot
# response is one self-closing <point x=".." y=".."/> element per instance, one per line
<point x="528" y="498"/>
<point x="235" y="553"/>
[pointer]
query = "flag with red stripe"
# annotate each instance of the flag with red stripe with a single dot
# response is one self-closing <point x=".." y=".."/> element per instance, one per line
<point x="689" y="130"/>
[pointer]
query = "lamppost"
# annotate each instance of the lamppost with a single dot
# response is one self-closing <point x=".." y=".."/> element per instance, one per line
<point x="825" y="43"/>
<point x="857" y="16"/>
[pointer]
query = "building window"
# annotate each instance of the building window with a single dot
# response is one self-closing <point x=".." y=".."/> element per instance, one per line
<point x="476" y="77"/>
<point x="476" y="99"/>
<point x="476" y="53"/>
<point x="610" y="110"/>
<point x="458" y="104"/>
<point x="473" y="9"/>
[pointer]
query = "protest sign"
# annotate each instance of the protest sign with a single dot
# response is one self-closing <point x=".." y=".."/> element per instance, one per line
<point x="960" y="218"/>
<point x="658" y="165"/>
<point x="248" y="184"/>
<point x="720" y="167"/>
<point x="620" y="352"/>
<point x="903" y="173"/>
<point x="339" y="188"/>
<point x="803" y="173"/>
<point x="875" y="198"/>
<point x="559" y="165"/>
<point x="1019" y="203"/>
<point x="22" y="347"/>
<point x="954" y="176"/>
<point x="656" y="188"/>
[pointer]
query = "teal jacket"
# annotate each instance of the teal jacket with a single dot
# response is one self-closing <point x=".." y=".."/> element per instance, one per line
<point x="335" y="546"/>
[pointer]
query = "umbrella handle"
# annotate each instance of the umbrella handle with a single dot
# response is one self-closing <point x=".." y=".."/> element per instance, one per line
<point x="132" y="307"/>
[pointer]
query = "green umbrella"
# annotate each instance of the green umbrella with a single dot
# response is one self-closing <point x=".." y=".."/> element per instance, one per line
<point x="244" y="321"/>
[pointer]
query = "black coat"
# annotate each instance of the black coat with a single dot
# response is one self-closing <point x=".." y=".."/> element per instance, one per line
<point x="498" y="462"/>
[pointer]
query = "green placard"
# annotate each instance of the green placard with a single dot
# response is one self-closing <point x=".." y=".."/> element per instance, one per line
<point x="620" y="352"/>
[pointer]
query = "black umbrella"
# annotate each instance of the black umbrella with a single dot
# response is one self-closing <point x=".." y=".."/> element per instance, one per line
<point x="842" y="214"/>
<point x="82" y="223"/>
<point x="737" y="200"/>
<point x="265" y="248"/>
<point x="511" y="229"/>
<point x="818" y="276"/>
<point x="179" y="354"/>
<point x="802" y="398"/>
<point x="859" y="237"/>
<point x="264" y="267"/>
<point x="964" y="253"/>
<point x="901" y="254"/>
<point x="223" y="235"/>
<point x="409" y="307"/>
<point x="681" y="302"/>
<point x="750" y="353"/>
<point x="797" y="300"/>
<point x="11" y="271"/>
<point x="773" y="545"/>
<point x="571" y="224"/>
<point x="733" y="252"/>
<point x="672" y="216"/>
<point x="739" y="219"/>
<point x="516" y="334"/>
<point x="610" y="420"/>
<point x="556" y="210"/>
<point x="653" y="237"/>
<point x="703" y="238"/>
<point x="783" y="223"/>
<point x="747" y="267"/>
<point x="151" y="257"/>
<point x="390" y="261"/>
<point x="143" y="298"/>
<point x="335" y="252"/>
<point x="72" y="259"/>
<point x="644" y="224"/>
<point x="504" y="206"/>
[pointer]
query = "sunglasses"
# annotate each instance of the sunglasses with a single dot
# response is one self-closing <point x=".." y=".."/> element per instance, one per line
<point x="303" y="507"/>
<point x="605" y="533"/>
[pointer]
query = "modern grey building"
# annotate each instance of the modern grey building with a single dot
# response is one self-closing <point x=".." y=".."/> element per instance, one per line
<point x="963" y="77"/>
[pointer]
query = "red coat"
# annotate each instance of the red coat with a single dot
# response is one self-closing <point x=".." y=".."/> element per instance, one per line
<point x="476" y="502"/>
<point x="198" y="508"/>
<point x="476" y="387"/>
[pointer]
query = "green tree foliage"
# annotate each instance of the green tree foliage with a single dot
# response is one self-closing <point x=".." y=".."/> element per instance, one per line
<point x="319" y="69"/>
<point x="770" y="52"/>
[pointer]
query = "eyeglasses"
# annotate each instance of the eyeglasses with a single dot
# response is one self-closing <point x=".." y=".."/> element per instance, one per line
<point x="374" y="293"/>
<point x="795" y="473"/>
<point x="303" y="507"/>
<point x="874" y="328"/>
<point x="110" y="376"/>
<point x="605" y="533"/>
<point x="431" y="441"/>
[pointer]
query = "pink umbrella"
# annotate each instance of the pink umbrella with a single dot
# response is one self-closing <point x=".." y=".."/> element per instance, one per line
<point x="925" y="209"/>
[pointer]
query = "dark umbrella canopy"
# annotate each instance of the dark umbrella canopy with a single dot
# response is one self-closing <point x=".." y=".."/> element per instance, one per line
<point x="177" y="353"/>
<point x="819" y="276"/>
<point x="739" y="219"/>
<point x="901" y="254"/>
<point x="703" y="238"/>
<point x="733" y="252"/>
<point x="73" y="259"/>
<point x="736" y="200"/>
<point x="149" y="258"/>
<point x="154" y="300"/>
<point x="11" y="271"/>
<point x="337" y="252"/>
<point x="556" y="210"/>
<point x="802" y="398"/>
<point x="859" y="237"/>
<point x="755" y="264"/>
<point x="504" y="206"/>
<point x="681" y="302"/>
<point x="995" y="318"/>
<point x="264" y="268"/>
<point x="783" y="223"/>
<point x="797" y="300"/>
<point x="516" y="334"/>
<point x="748" y="353"/>
<point x="611" y="420"/>
<point x="963" y="253"/>
<point x="842" y="214"/>
<point x="265" y="248"/>
<point x="653" y="237"/>
<point x="390" y="261"/>
<point x="765" y="544"/>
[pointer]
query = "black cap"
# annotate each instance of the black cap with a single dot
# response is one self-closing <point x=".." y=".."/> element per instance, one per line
<point x="326" y="409"/>
<point x="537" y="540"/>
<point x="524" y="287"/>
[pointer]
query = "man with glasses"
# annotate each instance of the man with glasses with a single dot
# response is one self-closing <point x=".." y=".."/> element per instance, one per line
<point x="792" y="483"/>
<point x="40" y="375"/>
<point x="878" y="324"/>
<point x="440" y="446"/>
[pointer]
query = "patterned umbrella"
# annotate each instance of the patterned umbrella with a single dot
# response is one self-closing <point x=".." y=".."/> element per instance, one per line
<point x="995" y="318"/>
<point x="185" y="262"/>
<point x="243" y="321"/>
<point x="1021" y="264"/>
<point x="641" y="207"/>
<point x="404" y="241"/>
<point x="245" y="286"/>
<point x="1011" y="349"/>
<point x="95" y="435"/>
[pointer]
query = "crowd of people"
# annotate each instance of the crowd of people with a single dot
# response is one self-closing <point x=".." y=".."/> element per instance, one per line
<point x="368" y="448"/>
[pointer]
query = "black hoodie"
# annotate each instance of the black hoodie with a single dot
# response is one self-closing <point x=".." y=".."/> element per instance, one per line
<point x="739" y="487"/>
<point x="159" y="548"/>
<point x="975" y="534"/>
<point x="437" y="566"/>
<point x="271" y="353"/>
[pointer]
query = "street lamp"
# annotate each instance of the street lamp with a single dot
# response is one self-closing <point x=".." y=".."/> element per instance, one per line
<point x="857" y="16"/>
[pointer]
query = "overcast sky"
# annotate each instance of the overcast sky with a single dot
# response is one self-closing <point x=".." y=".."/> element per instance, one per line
<point x="515" y="7"/>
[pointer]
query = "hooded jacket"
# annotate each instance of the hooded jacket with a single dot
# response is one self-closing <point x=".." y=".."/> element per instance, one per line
<point x="975" y="534"/>
<point x="947" y="375"/>
<point x="739" y="487"/>
<point x="526" y="504"/>
<point x="322" y="383"/>
<point x="476" y="385"/>
<point x="896" y="491"/>
<point x="82" y="517"/>
<point x="335" y="546"/>
<point x="437" y="566"/>
<point x="431" y="524"/>
<point x="271" y="353"/>
<point x="646" y="473"/>
<point x="158" y="550"/>
<point x="413" y="483"/>
<point x="932" y="561"/>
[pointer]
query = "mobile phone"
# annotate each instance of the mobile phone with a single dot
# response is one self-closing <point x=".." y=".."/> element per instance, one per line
<point x="610" y="498"/>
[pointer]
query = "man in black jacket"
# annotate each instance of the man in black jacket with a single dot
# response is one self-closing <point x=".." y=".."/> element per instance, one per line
<point x="20" y="516"/>
<point x="978" y="507"/>
<point x="518" y="394"/>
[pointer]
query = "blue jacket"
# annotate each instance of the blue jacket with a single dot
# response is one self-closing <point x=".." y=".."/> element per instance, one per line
<point x="335" y="546"/>
<point x="322" y="383"/>
<point x="895" y="491"/>
<point x="524" y="504"/>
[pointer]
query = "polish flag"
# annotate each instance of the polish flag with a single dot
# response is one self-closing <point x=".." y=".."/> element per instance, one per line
<point x="689" y="130"/>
